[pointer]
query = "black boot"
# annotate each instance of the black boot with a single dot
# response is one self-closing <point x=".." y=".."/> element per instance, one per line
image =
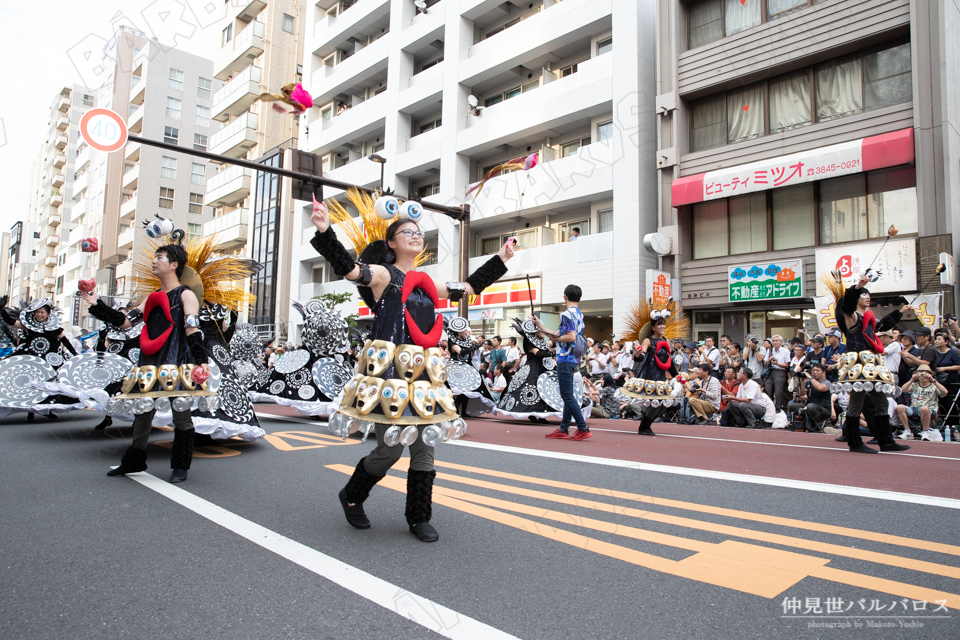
<point x="133" y="460"/>
<point x="355" y="493"/>
<point x="106" y="422"/>
<point x="645" y="429"/>
<point x="181" y="455"/>
<point x="884" y="435"/>
<point x="30" y="417"/>
<point x="851" y="431"/>
<point x="420" y="504"/>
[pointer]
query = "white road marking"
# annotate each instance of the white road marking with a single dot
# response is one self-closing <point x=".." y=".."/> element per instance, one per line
<point x="420" y="610"/>
<point x="785" y="444"/>
<point x="878" y="494"/>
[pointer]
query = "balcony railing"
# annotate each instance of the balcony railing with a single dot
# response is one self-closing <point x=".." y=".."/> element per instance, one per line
<point x="237" y="95"/>
<point x="226" y="221"/>
<point x="241" y="134"/>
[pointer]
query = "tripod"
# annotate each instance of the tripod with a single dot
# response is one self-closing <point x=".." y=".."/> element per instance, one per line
<point x="953" y="405"/>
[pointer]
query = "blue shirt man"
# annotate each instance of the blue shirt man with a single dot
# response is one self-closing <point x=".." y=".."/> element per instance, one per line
<point x="834" y="348"/>
<point x="571" y="325"/>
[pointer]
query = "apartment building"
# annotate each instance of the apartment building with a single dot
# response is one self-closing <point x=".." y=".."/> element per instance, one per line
<point x="792" y="135"/>
<point x="51" y="195"/>
<point x="259" y="49"/>
<point x="166" y="94"/>
<point x="449" y="89"/>
<point x="20" y="263"/>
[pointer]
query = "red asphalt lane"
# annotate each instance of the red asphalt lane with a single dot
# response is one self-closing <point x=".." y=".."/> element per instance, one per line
<point x="745" y="451"/>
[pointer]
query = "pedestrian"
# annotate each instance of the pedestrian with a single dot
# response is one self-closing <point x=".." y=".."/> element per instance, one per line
<point x="776" y="382"/>
<point x="571" y="326"/>
<point x="498" y="354"/>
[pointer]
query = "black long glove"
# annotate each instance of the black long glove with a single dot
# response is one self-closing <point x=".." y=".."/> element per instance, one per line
<point x="336" y="254"/>
<point x="4" y="314"/>
<point x="198" y="348"/>
<point x="101" y="311"/>
<point x="66" y="344"/>
<point x="488" y="273"/>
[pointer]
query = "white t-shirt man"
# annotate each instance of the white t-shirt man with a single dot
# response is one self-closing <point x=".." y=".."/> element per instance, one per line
<point x="513" y="354"/>
<point x="598" y="364"/>
<point x="752" y="391"/>
<point x="713" y="355"/>
<point x="781" y="355"/>
<point x="891" y="356"/>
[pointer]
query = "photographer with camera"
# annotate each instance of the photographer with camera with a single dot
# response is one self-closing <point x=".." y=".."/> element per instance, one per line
<point x="703" y="399"/>
<point x="813" y="396"/>
<point x="925" y="393"/>
<point x="752" y="357"/>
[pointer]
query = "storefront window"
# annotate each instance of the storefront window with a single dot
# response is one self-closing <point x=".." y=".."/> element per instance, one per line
<point x="793" y="215"/>
<point x="843" y="209"/>
<point x="864" y="206"/>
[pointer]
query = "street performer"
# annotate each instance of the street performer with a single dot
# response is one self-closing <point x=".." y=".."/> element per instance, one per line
<point x="171" y="345"/>
<point x="860" y="327"/>
<point x="404" y="367"/>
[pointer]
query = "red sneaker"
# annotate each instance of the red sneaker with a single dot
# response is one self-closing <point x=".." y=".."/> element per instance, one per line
<point x="556" y="433"/>
<point x="581" y="435"/>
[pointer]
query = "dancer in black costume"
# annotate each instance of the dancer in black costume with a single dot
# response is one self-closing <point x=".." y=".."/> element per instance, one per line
<point x="522" y="397"/>
<point x="170" y="341"/>
<point x="859" y="327"/>
<point x="465" y="381"/>
<point x="404" y="303"/>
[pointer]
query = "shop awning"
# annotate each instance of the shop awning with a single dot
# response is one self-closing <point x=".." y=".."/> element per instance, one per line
<point x="865" y="154"/>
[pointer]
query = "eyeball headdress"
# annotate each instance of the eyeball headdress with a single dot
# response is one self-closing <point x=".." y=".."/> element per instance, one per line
<point x="369" y="238"/>
<point x="160" y="227"/>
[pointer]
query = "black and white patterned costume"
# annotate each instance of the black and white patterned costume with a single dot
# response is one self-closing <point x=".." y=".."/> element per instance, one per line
<point x="464" y="379"/>
<point x="311" y="380"/>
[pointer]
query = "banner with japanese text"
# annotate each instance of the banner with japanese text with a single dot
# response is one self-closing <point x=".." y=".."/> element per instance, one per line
<point x="765" y="281"/>
<point x="895" y="260"/>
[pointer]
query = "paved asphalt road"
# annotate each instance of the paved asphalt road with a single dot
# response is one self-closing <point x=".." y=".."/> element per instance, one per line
<point x="618" y="536"/>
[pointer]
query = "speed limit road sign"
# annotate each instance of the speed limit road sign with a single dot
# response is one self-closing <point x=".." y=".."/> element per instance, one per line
<point x="104" y="130"/>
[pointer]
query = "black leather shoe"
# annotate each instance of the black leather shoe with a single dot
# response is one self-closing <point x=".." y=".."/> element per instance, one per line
<point x="841" y="439"/>
<point x="354" y="512"/>
<point x="424" y="531"/>
<point x="106" y="422"/>
<point x="178" y="476"/>
<point x="862" y="448"/>
<point x="873" y="441"/>
<point x="894" y="447"/>
<point x="52" y="416"/>
<point x="646" y="432"/>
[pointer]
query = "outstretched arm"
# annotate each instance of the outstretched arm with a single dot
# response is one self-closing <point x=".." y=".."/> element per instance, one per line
<point x="101" y="311"/>
<point x="488" y="273"/>
<point x="325" y="241"/>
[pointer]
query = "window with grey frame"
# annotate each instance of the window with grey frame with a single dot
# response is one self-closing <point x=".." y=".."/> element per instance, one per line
<point x="849" y="208"/>
<point x="869" y="79"/>
<point x="266" y="220"/>
<point x="712" y="20"/>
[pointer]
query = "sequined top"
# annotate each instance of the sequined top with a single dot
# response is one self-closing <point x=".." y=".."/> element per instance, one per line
<point x="389" y="323"/>
<point x="174" y="348"/>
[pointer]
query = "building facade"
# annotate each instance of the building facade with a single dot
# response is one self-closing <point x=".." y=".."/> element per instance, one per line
<point x="259" y="50"/>
<point x="792" y="135"/>
<point x="166" y="94"/>
<point x="446" y="91"/>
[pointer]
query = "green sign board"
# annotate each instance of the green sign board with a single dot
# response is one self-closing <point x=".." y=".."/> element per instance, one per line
<point x="765" y="281"/>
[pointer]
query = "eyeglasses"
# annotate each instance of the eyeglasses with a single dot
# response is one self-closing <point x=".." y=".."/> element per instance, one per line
<point x="410" y="233"/>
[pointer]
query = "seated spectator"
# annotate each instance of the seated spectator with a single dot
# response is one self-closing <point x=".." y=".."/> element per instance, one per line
<point x="814" y="398"/>
<point x="499" y="383"/>
<point x="690" y="389"/>
<point x="948" y="359"/>
<point x="925" y="393"/>
<point x="891" y="352"/>
<point x="730" y="385"/>
<point x="608" y="404"/>
<point x="704" y="401"/>
<point x="751" y="407"/>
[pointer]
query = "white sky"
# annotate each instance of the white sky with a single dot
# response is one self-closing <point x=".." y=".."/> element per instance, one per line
<point x="44" y="38"/>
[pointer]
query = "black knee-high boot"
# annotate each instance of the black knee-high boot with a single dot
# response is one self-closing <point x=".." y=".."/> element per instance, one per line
<point x="133" y="460"/>
<point x="182" y="454"/>
<point x="851" y="431"/>
<point x="355" y="493"/>
<point x="106" y="422"/>
<point x="420" y="504"/>
<point x="645" y="429"/>
<point x="884" y="435"/>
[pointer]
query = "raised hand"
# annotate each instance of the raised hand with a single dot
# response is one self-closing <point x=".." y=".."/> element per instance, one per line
<point x="320" y="217"/>
<point x="89" y="298"/>
<point x="506" y="251"/>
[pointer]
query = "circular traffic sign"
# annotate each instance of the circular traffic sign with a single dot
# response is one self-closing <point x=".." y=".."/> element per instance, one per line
<point x="104" y="130"/>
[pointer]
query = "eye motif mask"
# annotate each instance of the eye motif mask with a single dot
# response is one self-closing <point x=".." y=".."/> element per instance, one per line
<point x="410" y="362"/>
<point x="186" y="376"/>
<point x="884" y="374"/>
<point x="867" y="357"/>
<point x="379" y="357"/>
<point x="423" y="397"/>
<point x="445" y="399"/>
<point x="394" y="397"/>
<point x="147" y="377"/>
<point x="435" y="366"/>
<point x="855" y="372"/>
<point x="650" y="386"/>
<point x="350" y="391"/>
<point x="870" y="372"/>
<point x="130" y="381"/>
<point x="850" y="359"/>
<point x="370" y="396"/>
<point x="362" y="358"/>
<point x="843" y="374"/>
<point x="168" y="376"/>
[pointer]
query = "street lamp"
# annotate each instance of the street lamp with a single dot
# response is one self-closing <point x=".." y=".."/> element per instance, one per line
<point x="381" y="161"/>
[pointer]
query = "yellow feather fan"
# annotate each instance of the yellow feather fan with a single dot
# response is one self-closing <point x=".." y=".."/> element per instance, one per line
<point x="833" y="281"/>
<point x="374" y="227"/>
<point x="639" y="327"/>
<point x="222" y="278"/>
